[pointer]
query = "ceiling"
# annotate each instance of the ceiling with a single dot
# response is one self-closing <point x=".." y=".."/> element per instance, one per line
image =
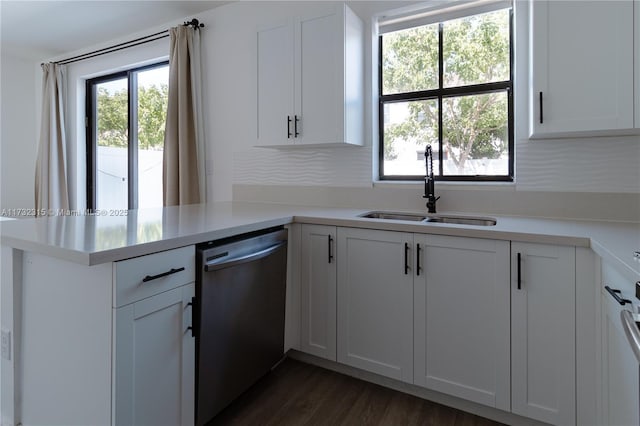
<point x="51" y="28"/>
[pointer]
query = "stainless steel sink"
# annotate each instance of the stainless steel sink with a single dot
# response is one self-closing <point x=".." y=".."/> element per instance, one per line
<point x="462" y="220"/>
<point x="417" y="217"/>
<point x="413" y="217"/>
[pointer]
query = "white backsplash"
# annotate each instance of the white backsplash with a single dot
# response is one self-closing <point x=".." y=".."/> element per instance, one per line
<point x="610" y="165"/>
<point x="502" y="200"/>
<point x="343" y="167"/>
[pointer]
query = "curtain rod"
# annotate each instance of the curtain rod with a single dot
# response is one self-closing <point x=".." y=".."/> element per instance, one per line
<point x="194" y="23"/>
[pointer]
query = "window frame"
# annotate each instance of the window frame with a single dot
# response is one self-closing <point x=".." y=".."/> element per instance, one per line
<point x="441" y="93"/>
<point x="132" y="122"/>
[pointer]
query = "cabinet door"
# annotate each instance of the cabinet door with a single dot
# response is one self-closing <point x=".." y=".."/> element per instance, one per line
<point x="582" y="63"/>
<point x="319" y="78"/>
<point x="543" y="332"/>
<point x="329" y="77"/>
<point x="636" y="55"/>
<point x="155" y="360"/>
<point x="318" y="291"/>
<point x="620" y="372"/>
<point x="461" y="326"/>
<point x="275" y="84"/>
<point x="375" y="301"/>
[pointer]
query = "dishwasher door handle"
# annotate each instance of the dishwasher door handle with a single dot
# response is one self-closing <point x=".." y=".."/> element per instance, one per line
<point x="214" y="266"/>
<point x="631" y="330"/>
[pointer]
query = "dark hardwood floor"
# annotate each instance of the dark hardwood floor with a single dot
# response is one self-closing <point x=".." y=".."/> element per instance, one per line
<point x="296" y="393"/>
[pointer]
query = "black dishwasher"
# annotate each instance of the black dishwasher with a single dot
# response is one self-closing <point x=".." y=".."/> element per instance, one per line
<point x="240" y="294"/>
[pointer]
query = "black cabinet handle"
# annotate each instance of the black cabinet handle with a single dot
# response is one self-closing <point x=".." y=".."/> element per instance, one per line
<point x="541" y="120"/>
<point x="616" y="295"/>
<point x="296" y="119"/>
<point x="191" y="327"/>
<point x="164" y="274"/>
<point x="329" y="242"/>
<point x="519" y="271"/>
<point x="418" y="259"/>
<point x="406" y="258"/>
<point x="288" y="126"/>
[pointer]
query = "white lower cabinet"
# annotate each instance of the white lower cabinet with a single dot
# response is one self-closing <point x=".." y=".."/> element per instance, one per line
<point x="122" y="352"/>
<point x="461" y="318"/>
<point x="153" y="343"/>
<point x="487" y="321"/>
<point x="155" y="360"/>
<point x="543" y="356"/>
<point x="318" y="291"/>
<point x="375" y="301"/>
<point x="620" y="371"/>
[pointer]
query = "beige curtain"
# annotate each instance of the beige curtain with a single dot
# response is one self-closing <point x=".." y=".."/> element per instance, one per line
<point x="183" y="164"/>
<point x="51" y="190"/>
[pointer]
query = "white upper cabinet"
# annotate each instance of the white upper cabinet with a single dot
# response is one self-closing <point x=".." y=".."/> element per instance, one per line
<point x="310" y="80"/>
<point x="275" y="90"/>
<point x="581" y="68"/>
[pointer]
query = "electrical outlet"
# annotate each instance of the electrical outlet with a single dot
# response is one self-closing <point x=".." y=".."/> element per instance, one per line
<point x="5" y="343"/>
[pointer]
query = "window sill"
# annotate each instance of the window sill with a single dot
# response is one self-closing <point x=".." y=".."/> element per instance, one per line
<point x="462" y="186"/>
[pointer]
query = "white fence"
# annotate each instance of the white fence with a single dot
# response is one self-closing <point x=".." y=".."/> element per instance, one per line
<point x="112" y="180"/>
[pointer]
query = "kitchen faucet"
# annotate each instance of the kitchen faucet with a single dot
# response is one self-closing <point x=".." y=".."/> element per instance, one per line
<point x="429" y="182"/>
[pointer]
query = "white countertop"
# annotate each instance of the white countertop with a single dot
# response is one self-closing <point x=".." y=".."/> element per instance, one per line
<point x="92" y="240"/>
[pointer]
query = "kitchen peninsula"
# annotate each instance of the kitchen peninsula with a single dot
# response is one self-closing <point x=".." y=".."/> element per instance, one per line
<point x="67" y="281"/>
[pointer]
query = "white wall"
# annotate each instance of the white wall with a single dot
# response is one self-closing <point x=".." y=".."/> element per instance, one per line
<point x="586" y="165"/>
<point x="18" y="131"/>
<point x="230" y="63"/>
<point x="582" y="165"/>
<point x="233" y="96"/>
<point x="599" y="164"/>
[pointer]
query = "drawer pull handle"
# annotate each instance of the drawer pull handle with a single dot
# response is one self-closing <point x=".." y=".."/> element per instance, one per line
<point x="615" y="294"/>
<point x="164" y="274"/>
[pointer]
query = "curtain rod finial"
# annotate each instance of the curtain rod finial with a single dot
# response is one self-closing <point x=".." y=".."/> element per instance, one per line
<point x="193" y="23"/>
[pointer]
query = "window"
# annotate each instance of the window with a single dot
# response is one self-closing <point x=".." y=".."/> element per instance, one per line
<point x="126" y="114"/>
<point x="447" y="84"/>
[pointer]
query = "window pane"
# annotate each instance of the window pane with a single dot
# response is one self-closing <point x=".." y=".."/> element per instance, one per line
<point x="476" y="49"/>
<point x="152" y="113"/>
<point x="408" y="128"/>
<point x="475" y="134"/>
<point x="112" y="143"/>
<point x="410" y="60"/>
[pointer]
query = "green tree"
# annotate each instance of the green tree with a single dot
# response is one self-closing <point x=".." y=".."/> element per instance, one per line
<point x="113" y="123"/>
<point x="112" y="118"/>
<point x="475" y="50"/>
<point x="152" y="113"/>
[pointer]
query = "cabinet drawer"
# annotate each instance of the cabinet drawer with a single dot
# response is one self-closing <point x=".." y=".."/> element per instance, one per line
<point x="145" y="276"/>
